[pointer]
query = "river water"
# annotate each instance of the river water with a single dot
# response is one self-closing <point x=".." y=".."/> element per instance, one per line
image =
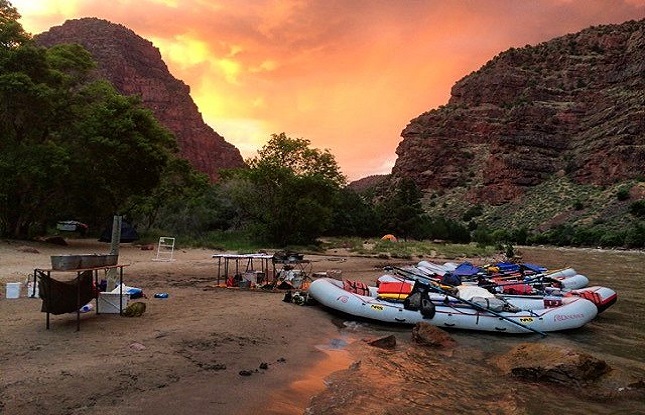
<point x="466" y="380"/>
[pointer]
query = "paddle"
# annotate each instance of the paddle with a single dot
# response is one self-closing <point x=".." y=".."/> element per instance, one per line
<point x="534" y="280"/>
<point x="434" y="287"/>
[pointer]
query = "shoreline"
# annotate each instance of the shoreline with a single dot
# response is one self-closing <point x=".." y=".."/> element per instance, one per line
<point x="186" y="353"/>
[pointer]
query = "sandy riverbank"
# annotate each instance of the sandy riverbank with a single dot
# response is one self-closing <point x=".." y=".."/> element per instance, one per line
<point x="184" y="355"/>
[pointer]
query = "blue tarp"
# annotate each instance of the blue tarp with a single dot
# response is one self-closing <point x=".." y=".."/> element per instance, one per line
<point x="506" y="267"/>
<point x="534" y="268"/>
<point x="466" y="269"/>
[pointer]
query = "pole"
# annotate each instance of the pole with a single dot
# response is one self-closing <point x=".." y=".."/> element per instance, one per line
<point x="114" y="250"/>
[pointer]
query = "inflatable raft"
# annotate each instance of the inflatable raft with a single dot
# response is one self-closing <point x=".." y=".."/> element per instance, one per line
<point x="474" y="310"/>
<point x="601" y="297"/>
<point x="503" y="273"/>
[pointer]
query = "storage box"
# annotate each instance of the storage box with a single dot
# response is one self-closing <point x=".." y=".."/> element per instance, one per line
<point x="108" y="303"/>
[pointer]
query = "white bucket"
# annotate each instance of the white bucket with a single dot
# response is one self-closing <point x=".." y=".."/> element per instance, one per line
<point x="13" y="289"/>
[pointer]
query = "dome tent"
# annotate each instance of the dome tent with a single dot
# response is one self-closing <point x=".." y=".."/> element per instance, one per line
<point x="128" y="233"/>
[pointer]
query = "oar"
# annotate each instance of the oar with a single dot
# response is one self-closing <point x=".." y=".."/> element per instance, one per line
<point x="435" y="288"/>
<point x="405" y="277"/>
<point x="536" y="279"/>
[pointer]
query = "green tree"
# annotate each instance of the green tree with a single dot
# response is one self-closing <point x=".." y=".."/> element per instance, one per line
<point x="635" y="236"/>
<point x="12" y="34"/>
<point x="182" y="203"/>
<point x="401" y="212"/>
<point x="637" y="208"/>
<point x="472" y="213"/>
<point x="69" y="146"/>
<point x="285" y="195"/>
<point x="117" y="149"/>
<point x="623" y="193"/>
<point x="352" y="215"/>
<point x="294" y="156"/>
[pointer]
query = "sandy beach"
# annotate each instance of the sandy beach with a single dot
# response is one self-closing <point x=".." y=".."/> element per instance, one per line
<point x="212" y="350"/>
<point x="204" y="349"/>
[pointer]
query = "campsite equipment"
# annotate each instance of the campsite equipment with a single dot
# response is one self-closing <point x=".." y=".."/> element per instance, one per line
<point x="482" y="312"/>
<point x="161" y="295"/>
<point x="165" y="249"/>
<point x="563" y="282"/>
<point x="72" y="226"/>
<point x="32" y="290"/>
<point x="13" y="290"/>
<point x="71" y="262"/>
<point x="87" y="307"/>
<point x="65" y="262"/>
<point x="67" y="295"/>
<point x="504" y="273"/>
<point x="128" y="232"/>
<point x="112" y="302"/>
<point x="602" y="297"/>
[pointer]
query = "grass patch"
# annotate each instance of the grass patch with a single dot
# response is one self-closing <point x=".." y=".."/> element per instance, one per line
<point x="240" y="243"/>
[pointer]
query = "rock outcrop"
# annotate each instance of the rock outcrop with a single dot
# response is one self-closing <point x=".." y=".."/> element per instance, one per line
<point x="574" y="370"/>
<point x="368" y="182"/>
<point x="135" y="67"/>
<point x="552" y="364"/>
<point x="427" y="335"/>
<point x="571" y="106"/>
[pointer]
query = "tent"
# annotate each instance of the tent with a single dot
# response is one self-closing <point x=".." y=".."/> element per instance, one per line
<point x="389" y="237"/>
<point x="128" y="233"/>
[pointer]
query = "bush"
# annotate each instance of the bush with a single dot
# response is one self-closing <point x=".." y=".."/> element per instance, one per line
<point x="622" y="194"/>
<point x="473" y="212"/>
<point x="638" y="209"/>
<point x="483" y="237"/>
<point x="612" y="239"/>
<point x="635" y="237"/>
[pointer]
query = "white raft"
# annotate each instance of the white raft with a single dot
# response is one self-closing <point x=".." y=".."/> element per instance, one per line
<point x="567" y="279"/>
<point x="536" y="314"/>
<point x="602" y="297"/>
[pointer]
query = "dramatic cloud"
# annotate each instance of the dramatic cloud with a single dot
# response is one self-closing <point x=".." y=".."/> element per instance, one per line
<point x="347" y="75"/>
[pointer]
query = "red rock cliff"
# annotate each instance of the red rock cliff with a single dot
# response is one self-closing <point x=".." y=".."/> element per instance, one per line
<point x="135" y="67"/>
<point x="572" y="106"/>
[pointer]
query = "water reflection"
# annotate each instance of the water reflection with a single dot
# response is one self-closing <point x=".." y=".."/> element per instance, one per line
<point x="292" y="399"/>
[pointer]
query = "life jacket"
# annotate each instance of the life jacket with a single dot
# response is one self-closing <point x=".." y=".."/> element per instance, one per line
<point x="394" y="290"/>
<point x="356" y="287"/>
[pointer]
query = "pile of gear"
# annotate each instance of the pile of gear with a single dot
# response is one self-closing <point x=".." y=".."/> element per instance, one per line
<point x="298" y="298"/>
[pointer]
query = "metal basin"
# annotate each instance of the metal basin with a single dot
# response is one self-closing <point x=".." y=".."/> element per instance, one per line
<point x="70" y="262"/>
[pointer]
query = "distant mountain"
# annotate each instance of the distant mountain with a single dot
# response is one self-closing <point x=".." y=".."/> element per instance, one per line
<point x="562" y="121"/>
<point x="572" y="106"/>
<point x="368" y="182"/>
<point x="135" y="67"/>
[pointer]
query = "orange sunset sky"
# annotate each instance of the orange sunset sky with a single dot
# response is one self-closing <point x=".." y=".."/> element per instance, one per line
<point x="346" y="74"/>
